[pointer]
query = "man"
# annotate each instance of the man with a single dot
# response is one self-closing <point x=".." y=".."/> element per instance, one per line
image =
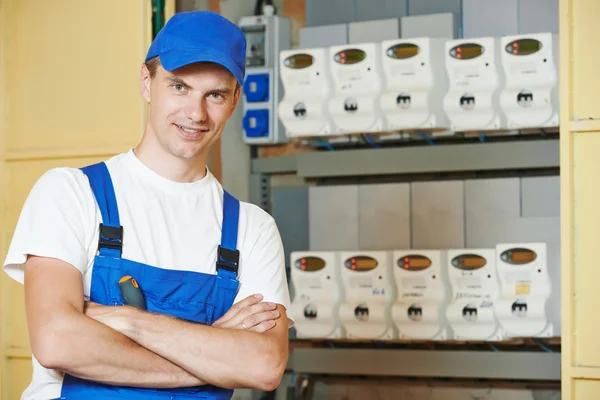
<point x="156" y="218"/>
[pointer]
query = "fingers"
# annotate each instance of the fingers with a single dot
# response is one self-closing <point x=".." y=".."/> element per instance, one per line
<point x="254" y="322"/>
<point x="246" y="315"/>
<point x="263" y="326"/>
<point x="237" y="307"/>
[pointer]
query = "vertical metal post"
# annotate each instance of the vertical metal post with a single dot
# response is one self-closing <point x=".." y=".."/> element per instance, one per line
<point x="158" y="16"/>
<point x="260" y="191"/>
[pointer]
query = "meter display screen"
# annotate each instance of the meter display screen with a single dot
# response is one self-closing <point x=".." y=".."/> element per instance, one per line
<point x="466" y="51"/>
<point x="414" y="262"/>
<point x="518" y="256"/>
<point x="310" y="264"/>
<point x="298" y="61"/>
<point x="350" y="56"/>
<point x="402" y="51"/>
<point x="361" y="263"/>
<point x="523" y="47"/>
<point x="468" y="262"/>
<point x="255" y="45"/>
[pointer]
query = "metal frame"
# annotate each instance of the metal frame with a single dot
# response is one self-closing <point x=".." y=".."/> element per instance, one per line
<point x="260" y="191"/>
<point x="514" y="155"/>
<point x="518" y="366"/>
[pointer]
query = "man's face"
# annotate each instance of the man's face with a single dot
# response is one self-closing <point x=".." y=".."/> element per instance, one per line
<point x="188" y="107"/>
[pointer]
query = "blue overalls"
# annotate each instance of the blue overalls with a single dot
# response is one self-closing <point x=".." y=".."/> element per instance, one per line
<point x="194" y="296"/>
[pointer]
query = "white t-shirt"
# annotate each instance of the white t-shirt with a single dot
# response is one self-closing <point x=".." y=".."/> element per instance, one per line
<point x="166" y="224"/>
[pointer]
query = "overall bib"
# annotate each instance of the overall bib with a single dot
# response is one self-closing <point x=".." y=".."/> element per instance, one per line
<point x="194" y="296"/>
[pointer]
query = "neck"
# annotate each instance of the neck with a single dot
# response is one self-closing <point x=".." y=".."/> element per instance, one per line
<point x="167" y="165"/>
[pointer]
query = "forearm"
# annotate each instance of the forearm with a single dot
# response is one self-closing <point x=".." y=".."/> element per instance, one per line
<point x="223" y="357"/>
<point x="90" y="350"/>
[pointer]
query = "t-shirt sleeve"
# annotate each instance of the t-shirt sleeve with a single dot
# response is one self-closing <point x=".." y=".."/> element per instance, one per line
<point x="52" y="222"/>
<point x="263" y="270"/>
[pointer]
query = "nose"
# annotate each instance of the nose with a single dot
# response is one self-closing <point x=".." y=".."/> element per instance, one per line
<point x="196" y="110"/>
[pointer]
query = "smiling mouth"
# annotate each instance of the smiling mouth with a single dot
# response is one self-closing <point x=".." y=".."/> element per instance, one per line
<point x="190" y="133"/>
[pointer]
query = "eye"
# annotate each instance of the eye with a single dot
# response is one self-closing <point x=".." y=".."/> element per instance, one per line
<point x="179" y="87"/>
<point x="217" y="95"/>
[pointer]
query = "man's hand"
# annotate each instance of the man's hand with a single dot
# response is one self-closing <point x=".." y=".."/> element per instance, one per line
<point x="249" y="314"/>
<point x="193" y="347"/>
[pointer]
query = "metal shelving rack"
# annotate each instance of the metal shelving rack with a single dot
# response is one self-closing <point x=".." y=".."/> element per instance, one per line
<point x="489" y="156"/>
<point x="518" y="360"/>
<point x="523" y="361"/>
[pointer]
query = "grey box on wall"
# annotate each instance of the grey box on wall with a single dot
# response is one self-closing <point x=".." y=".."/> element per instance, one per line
<point x="489" y="203"/>
<point x="373" y="31"/>
<point x="333" y="217"/>
<point x="290" y="210"/>
<point x="323" y="36"/>
<point x="421" y="7"/>
<point x="537" y="16"/>
<point x="441" y="25"/>
<point x="540" y="196"/>
<point x="438" y="217"/>
<point x="368" y="10"/>
<point x="543" y="229"/>
<point x="490" y="18"/>
<point x="329" y="12"/>
<point x="384" y="216"/>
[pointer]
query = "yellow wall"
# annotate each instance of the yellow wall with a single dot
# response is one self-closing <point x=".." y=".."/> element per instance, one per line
<point x="69" y="96"/>
<point x="2" y="130"/>
<point x="580" y="197"/>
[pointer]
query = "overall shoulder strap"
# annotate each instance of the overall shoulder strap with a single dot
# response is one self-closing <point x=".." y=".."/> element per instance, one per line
<point x="111" y="232"/>
<point x="228" y="257"/>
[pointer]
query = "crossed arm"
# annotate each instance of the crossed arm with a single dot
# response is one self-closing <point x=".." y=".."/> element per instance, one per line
<point x="127" y="347"/>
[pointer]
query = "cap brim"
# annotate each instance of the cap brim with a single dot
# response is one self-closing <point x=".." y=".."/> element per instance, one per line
<point x="175" y="59"/>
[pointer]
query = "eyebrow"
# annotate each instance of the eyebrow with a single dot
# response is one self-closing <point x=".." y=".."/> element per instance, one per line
<point x="178" y="81"/>
<point x="222" y="91"/>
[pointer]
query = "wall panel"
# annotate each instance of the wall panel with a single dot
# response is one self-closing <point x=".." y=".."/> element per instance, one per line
<point x="579" y="196"/>
<point x="68" y="97"/>
<point x="586" y="219"/>
<point x="586" y="82"/>
<point x="19" y="178"/>
<point x="73" y="79"/>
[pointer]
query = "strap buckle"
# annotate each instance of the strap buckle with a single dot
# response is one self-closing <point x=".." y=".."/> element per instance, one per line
<point x="228" y="259"/>
<point x="111" y="237"/>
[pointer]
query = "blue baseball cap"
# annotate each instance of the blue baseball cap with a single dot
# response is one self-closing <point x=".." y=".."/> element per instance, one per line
<point x="200" y="36"/>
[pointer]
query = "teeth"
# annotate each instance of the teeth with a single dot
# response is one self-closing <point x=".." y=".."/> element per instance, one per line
<point x="189" y="130"/>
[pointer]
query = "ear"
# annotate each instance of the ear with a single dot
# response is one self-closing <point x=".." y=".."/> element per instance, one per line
<point x="236" y="98"/>
<point x="145" y="81"/>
